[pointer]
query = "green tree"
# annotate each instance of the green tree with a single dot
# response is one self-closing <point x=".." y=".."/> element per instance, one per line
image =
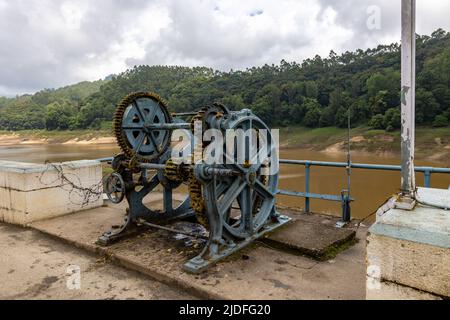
<point x="58" y="116"/>
<point x="387" y="82"/>
<point x="377" y="122"/>
<point x="392" y="119"/>
<point x="327" y="117"/>
<point x="426" y="106"/>
<point x="440" y="121"/>
<point x="378" y="104"/>
<point x="313" y="113"/>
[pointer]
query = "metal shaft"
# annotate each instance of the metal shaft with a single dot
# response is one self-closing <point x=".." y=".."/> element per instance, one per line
<point x="208" y="170"/>
<point x="152" y="166"/>
<point x="221" y="171"/>
<point x="167" y="126"/>
<point x="184" y="114"/>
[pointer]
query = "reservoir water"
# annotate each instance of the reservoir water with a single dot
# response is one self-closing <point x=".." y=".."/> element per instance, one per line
<point x="369" y="188"/>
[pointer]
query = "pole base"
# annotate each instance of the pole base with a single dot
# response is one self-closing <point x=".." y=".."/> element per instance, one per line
<point x="341" y="224"/>
<point x="405" y="203"/>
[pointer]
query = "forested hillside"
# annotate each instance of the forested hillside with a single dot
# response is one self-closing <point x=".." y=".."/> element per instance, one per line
<point x="48" y="109"/>
<point x="315" y="93"/>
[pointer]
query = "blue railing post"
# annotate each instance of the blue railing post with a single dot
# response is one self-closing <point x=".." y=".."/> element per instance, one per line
<point x="346" y="209"/>
<point x="427" y="175"/>
<point x="307" y="174"/>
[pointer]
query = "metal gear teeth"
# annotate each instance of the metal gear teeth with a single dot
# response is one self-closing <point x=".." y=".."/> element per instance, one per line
<point x="173" y="172"/>
<point x="195" y="187"/>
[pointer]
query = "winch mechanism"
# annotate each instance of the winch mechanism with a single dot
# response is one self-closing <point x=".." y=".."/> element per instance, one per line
<point x="233" y="198"/>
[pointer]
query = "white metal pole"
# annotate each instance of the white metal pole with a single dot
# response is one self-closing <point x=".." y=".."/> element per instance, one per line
<point x="408" y="93"/>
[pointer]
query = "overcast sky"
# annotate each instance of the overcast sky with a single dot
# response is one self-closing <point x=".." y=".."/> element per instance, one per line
<point x="51" y="43"/>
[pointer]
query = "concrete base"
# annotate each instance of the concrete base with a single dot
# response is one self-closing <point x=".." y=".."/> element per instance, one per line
<point x="310" y="238"/>
<point x="412" y="248"/>
<point x="32" y="192"/>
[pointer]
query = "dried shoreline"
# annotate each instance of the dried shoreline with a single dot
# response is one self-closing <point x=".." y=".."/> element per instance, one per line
<point x="14" y="139"/>
<point x="359" y="144"/>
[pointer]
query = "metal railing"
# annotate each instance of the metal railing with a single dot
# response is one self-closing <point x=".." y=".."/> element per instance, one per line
<point x="344" y="198"/>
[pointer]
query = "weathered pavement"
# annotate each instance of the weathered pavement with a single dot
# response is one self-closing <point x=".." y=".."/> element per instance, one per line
<point x="257" y="272"/>
<point x="33" y="266"/>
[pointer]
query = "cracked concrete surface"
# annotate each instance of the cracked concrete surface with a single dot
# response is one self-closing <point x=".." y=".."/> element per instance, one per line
<point x="33" y="266"/>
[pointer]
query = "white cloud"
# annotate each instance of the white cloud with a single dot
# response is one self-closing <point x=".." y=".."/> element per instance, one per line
<point x="49" y="43"/>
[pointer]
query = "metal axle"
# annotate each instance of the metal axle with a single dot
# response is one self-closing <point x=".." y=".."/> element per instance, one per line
<point x="209" y="170"/>
<point x="167" y="126"/>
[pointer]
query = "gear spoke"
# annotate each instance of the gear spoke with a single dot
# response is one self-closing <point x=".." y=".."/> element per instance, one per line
<point x="246" y="204"/>
<point x="231" y="195"/>
<point x="153" y="141"/>
<point x="140" y="114"/>
<point x="140" y="143"/>
<point x="262" y="190"/>
<point x="152" y="114"/>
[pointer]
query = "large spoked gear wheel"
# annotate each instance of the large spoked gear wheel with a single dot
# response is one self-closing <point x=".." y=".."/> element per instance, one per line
<point x="135" y="112"/>
<point x="251" y="193"/>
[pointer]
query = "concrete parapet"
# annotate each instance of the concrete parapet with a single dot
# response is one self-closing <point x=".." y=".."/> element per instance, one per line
<point x="33" y="192"/>
<point x="408" y="252"/>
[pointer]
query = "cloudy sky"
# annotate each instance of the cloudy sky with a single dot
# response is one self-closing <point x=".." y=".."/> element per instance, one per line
<point x="51" y="43"/>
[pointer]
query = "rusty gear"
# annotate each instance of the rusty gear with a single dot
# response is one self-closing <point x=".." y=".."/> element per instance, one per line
<point x="119" y="132"/>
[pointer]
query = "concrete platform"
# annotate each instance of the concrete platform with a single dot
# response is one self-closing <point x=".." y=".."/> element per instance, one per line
<point x="311" y="238"/>
<point x="257" y="272"/>
<point x="412" y="248"/>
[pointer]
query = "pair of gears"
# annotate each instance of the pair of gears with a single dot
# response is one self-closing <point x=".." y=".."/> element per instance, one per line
<point x="234" y="198"/>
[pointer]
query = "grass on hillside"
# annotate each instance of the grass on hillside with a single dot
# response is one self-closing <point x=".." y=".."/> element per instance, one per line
<point x="318" y="138"/>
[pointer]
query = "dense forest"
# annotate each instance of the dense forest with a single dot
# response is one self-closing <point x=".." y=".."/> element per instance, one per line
<point x="319" y="92"/>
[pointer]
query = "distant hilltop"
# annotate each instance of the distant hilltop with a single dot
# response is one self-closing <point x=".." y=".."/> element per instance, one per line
<point x="110" y="77"/>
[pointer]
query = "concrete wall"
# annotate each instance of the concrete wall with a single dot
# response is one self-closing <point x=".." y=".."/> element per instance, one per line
<point x="32" y="192"/>
<point x="392" y="291"/>
<point x="408" y="252"/>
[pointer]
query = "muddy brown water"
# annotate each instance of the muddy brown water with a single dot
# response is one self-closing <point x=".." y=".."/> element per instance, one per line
<point x="369" y="187"/>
